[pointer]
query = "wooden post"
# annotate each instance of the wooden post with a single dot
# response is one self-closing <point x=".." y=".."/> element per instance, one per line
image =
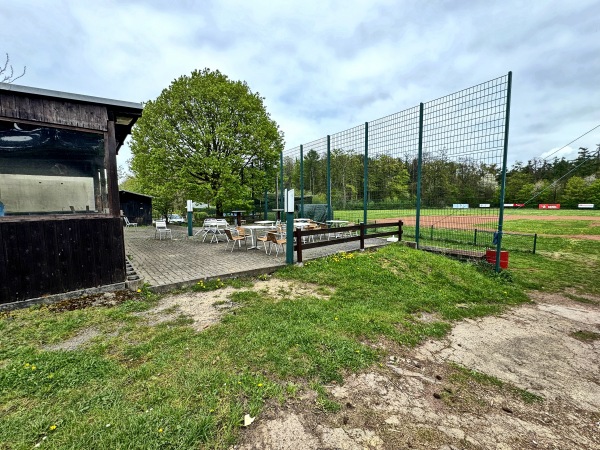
<point x="297" y="234"/>
<point x="110" y="147"/>
<point x="362" y="236"/>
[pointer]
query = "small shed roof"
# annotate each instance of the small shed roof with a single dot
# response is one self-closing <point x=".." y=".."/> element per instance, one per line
<point x="135" y="193"/>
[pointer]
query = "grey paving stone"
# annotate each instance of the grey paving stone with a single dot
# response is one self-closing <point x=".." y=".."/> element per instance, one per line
<point x="165" y="263"/>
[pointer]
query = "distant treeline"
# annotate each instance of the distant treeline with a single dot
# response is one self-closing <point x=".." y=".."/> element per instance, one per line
<point x="392" y="181"/>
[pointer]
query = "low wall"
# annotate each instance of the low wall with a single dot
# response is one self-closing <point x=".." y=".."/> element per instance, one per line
<point x="53" y="256"/>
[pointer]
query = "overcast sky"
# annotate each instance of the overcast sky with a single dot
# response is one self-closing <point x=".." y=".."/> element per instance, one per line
<point x="325" y="66"/>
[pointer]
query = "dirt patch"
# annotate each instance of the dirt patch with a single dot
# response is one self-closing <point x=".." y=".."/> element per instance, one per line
<point x="107" y="299"/>
<point x="76" y="341"/>
<point x="207" y="308"/>
<point x="418" y="399"/>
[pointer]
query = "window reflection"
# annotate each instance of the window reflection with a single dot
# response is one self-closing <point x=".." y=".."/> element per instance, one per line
<point x="46" y="170"/>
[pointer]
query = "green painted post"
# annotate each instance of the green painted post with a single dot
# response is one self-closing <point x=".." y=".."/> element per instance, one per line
<point x="281" y="187"/>
<point x="329" y="212"/>
<point x="366" y="175"/>
<point x="190" y="218"/>
<point x="503" y="185"/>
<point x="534" y="242"/>
<point x="289" y="238"/>
<point x="190" y="223"/>
<point x="419" y="167"/>
<point x="301" y="181"/>
<point x="475" y="238"/>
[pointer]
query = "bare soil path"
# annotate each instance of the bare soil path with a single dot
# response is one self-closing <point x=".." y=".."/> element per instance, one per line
<point x="419" y="399"/>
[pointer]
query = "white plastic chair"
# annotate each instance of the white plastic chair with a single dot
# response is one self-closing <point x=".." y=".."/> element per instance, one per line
<point x="162" y="230"/>
<point x="128" y="223"/>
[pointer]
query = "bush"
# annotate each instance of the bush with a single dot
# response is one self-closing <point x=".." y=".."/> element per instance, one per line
<point x="198" y="217"/>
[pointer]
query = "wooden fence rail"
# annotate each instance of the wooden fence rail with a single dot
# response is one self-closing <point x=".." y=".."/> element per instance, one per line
<point x="327" y="232"/>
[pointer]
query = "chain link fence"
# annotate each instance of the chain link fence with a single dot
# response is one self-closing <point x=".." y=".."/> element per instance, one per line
<point x="439" y="166"/>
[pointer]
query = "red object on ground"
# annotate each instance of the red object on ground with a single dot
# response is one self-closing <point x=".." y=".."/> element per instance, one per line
<point x="490" y="256"/>
<point x="549" y="206"/>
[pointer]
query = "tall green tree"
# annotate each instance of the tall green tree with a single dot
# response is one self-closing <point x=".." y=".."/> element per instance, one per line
<point x="209" y="135"/>
<point x="575" y="192"/>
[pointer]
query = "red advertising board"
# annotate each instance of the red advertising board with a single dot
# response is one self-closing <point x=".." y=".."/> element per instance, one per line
<point x="549" y="206"/>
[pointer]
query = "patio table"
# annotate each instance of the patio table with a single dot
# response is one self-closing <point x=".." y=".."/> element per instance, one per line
<point x="252" y="229"/>
<point x="335" y="224"/>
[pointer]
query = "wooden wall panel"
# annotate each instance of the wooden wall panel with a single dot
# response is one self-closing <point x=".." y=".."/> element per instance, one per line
<point x="49" y="111"/>
<point x="46" y="257"/>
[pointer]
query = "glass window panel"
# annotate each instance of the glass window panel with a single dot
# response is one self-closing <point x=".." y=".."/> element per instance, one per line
<point x="46" y="170"/>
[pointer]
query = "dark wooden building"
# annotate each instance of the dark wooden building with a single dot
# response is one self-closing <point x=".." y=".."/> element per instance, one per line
<point x="60" y="225"/>
<point x="136" y="207"/>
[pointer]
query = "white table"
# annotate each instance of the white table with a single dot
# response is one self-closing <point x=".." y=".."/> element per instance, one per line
<point x="302" y="225"/>
<point x="252" y="229"/>
<point x="265" y="222"/>
<point x="214" y="227"/>
<point x="335" y="224"/>
<point x="302" y="220"/>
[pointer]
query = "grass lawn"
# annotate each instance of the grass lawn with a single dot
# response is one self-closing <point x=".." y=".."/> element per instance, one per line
<point x="556" y="227"/>
<point x="167" y="386"/>
<point x="357" y="215"/>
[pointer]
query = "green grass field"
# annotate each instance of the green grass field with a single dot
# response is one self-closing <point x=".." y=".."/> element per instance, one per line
<point x="140" y="386"/>
<point x="357" y="216"/>
<point x="518" y="232"/>
<point x="555" y="227"/>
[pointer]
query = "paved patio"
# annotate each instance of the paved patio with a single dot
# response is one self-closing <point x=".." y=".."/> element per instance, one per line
<point x="168" y="264"/>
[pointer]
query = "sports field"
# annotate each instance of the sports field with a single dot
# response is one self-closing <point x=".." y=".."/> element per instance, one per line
<point x="473" y="229"/>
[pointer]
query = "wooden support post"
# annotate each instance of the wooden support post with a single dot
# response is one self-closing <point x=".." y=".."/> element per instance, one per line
<point x="362" y="236"/>
<point x="297" y="234"/>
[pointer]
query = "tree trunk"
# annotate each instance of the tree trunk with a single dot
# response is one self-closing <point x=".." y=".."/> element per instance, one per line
<point x="219" y="207"/>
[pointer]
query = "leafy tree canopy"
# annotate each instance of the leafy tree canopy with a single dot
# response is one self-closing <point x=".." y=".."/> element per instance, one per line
<point x="208" y="137"/>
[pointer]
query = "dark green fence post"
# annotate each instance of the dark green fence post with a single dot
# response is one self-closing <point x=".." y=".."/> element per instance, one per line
<point x="475" y="238"/>
<point x="503" y="182"/>
<point x="329" y="212"/>
<point x="534" y="242"/>
<point x="281" y="187"/>
<point x="431" y="233"/>
<point x="301" y="181"/>
<point x="419" y="167"/>
<point x="366" y="175"/>
<point x="289" y="237"/>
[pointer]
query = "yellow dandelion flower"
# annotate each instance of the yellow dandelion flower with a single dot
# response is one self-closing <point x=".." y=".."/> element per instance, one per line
<point x="260" y="384"/>
<point x="160" y="430"/>
<point x="52" y="427"/>
<point x="335" y="318"/>
<point x="139" y="290"/>
<point x="33" y="367"/>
